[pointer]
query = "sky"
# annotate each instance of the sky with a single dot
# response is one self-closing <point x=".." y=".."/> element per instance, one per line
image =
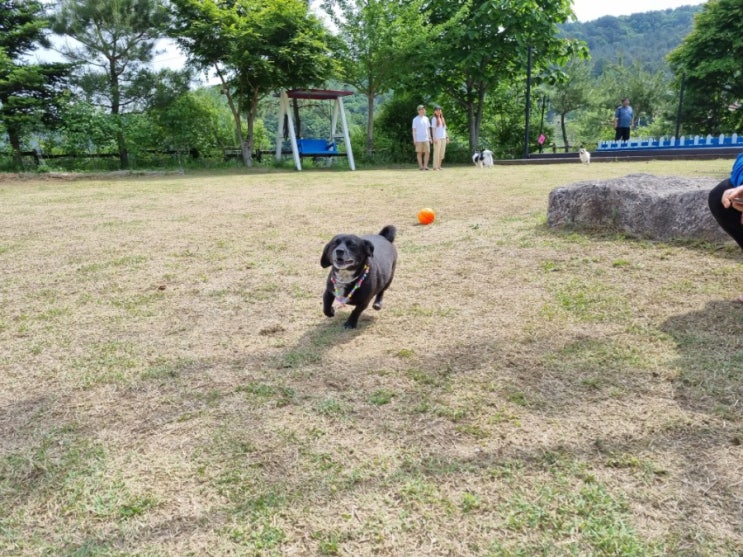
<point x="588" y="10"/>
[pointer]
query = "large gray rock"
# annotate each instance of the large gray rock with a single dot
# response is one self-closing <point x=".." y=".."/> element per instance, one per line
<point x="641" y="205"/>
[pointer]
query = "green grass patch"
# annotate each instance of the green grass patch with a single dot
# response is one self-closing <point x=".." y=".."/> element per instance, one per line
<point x="107" y="362"/>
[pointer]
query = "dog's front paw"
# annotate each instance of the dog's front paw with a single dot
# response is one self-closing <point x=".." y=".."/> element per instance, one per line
<point x="328" y="310"/>
<point x="349" y="325"/>
<point x="377" y="305"/>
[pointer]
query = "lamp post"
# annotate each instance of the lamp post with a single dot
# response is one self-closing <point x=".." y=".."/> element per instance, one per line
<point x="528" y="102"/>
<point x="681" y="101"/>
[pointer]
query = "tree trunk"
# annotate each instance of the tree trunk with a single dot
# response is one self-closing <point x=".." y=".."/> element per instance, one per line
<point x="123" y="151"/>
<point x="474" y="118"/>
<point x="564" y="133"/>
<point x="478" y="113"/>
<point x="116" y="113"/>
<point x="370" y="124"/>
<point x="246" y="154"/>
<point x="15" y="145"/>
<point x="474" y="136"/>
<point x="248" y="144"/>
<point x="297" y="119"/>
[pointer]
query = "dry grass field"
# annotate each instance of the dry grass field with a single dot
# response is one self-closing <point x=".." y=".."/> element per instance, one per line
<point x="169" y="385"/>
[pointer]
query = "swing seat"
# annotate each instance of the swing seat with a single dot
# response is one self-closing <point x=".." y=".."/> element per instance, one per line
<point x="315" y="148"/>
<point x="312" y="147"/>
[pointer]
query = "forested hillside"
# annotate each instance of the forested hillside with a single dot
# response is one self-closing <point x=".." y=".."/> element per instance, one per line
<point x="645" y="38"/>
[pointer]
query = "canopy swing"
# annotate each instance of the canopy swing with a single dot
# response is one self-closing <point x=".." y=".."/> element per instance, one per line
<point x="313" y="147"/>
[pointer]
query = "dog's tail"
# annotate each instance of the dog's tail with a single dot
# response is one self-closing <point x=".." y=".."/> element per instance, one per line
<point x="389" y="233"/>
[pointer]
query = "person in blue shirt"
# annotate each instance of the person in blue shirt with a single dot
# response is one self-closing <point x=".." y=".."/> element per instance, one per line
<point x="624" y="116"/>
<point x="727" y="211"/>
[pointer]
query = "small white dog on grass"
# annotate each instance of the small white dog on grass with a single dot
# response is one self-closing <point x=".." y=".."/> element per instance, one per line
<point x="585" y="156"/>
<point x="483" y="158"/>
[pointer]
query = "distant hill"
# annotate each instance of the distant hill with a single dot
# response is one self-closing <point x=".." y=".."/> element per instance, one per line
<point x="645" y="38"/>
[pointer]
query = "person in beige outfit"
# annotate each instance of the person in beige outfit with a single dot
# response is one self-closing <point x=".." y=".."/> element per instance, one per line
<point x="440" y="137"/>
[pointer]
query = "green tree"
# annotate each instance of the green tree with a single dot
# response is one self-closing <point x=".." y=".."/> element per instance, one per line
<point x="114" y="47"/>
<point x="710" y="59"/>
<point x="255" y="47"/>
<point x="503" y="129"/>
<point x="28" y="92"/>
<point x="650" y="93"/>
<point x="393" y="123"/>
<point x="85" y="129"/>
<point x="485" y="42"/>
<point x="376" y="39"/>
<point x="193" y="123"/>
<point x="570" y="92"/>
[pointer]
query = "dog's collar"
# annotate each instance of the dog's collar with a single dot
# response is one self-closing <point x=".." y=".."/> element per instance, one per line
<point x="338" y="290"/>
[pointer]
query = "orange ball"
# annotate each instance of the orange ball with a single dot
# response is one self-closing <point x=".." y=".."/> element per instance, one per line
<point x="426" y="216"/>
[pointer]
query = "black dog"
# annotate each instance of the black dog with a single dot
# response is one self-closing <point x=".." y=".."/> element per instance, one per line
<point x="363" y="268"/>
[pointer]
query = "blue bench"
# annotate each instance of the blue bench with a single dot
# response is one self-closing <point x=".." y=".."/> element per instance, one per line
<point x="310" y="147"/>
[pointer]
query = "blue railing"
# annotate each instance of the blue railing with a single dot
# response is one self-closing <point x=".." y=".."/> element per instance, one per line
<point x="671" y="142"/>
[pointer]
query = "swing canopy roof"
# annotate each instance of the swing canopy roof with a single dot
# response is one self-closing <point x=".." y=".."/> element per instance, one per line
<point x="317" y="94"/>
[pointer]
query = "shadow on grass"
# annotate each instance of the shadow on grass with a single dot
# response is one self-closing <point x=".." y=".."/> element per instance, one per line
<point x="326" y="335"/>
<point x="724" y="250"/>
<point x="710" y="361"/>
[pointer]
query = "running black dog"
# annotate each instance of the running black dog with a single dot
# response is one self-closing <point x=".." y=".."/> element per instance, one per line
<point x="362" y="269"/>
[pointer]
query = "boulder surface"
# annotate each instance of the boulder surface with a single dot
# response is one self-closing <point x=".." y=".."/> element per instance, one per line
<point x="640" y="205"/>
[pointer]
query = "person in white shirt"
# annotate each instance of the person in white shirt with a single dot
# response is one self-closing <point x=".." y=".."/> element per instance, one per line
<point x="422" y="137"/>
<point x="440" y="136"/>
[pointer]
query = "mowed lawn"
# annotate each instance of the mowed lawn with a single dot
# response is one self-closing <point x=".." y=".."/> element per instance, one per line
<point x="169" y="385"/>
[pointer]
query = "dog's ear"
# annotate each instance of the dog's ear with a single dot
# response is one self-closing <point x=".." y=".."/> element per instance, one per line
<point x="368" y="248"/>
<point x="327" y="254"/>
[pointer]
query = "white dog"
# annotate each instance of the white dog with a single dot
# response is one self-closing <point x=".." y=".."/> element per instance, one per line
<point x="585" y="156"/>
<point x="483" y="158"/>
